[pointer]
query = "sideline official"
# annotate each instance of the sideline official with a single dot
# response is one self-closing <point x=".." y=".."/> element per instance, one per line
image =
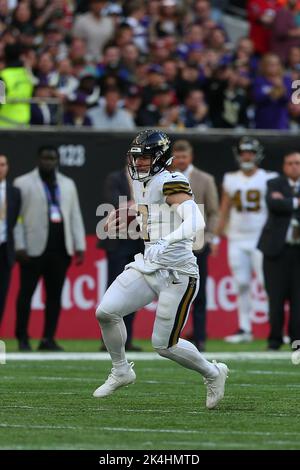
<point x="280" y="244"/>
<point x="50" y="232"/>
<point x="205" y="192"/>
<point x="9" y="211"/>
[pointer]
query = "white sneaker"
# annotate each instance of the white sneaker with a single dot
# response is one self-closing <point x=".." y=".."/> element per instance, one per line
<point x="216" y="386"/>
<point x="115" y="380"/>
<point x="239" y="337"/>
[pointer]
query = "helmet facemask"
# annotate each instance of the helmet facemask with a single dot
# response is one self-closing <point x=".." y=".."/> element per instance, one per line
<point x="153" y="145"/>
<point x="249" y="145"/>
<point x="134" y="172"/>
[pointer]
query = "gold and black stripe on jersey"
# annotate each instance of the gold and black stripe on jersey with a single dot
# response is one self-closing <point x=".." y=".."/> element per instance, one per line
<point x="182" y="311"/>
<point x="175" y="187"/>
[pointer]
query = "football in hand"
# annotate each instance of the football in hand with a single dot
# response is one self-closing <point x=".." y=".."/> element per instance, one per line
<point x="120" y="219"/>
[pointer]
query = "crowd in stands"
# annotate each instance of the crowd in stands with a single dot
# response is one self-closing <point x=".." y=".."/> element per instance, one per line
<point x="165" y="63"/>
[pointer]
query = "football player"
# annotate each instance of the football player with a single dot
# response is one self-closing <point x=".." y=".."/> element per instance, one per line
<point x="243" y="213"/>
<point x="167" y="271"/>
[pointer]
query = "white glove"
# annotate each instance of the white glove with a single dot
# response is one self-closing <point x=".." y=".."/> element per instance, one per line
<point x="152" y="253"/>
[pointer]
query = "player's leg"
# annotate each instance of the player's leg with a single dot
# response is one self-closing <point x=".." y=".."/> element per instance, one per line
<point x="240" y="265"/>
<point x="128" y="293"/>
<point x="172" y="313"/>
<point x="257" y="266"/>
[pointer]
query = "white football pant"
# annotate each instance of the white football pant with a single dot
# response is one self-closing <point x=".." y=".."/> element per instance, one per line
<point x="244" y="260"/>
<point x="131" y="291"/>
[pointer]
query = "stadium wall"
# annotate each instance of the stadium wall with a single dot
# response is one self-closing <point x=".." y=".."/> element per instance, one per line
<point x="87" y="157"/>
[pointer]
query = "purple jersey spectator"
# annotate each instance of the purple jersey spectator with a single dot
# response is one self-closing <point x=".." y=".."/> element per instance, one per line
<point x="271" y="93"/>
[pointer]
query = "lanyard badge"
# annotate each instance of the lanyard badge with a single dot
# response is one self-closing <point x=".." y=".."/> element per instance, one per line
<point x="54" y="209"/>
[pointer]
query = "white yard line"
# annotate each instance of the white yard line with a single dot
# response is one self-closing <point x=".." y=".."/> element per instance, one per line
<point x="148" y="430"/>
<point x="149" y="356"/>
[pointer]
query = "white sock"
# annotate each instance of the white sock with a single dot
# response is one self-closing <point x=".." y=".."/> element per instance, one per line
<point x="114" y="336"/>
<point x="244" y="308"/>
<point x="187" y="355"/>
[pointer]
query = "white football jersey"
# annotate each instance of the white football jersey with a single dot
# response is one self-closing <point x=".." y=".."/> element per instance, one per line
<point x="157" y="219"/>
<point x="248" y="211"/>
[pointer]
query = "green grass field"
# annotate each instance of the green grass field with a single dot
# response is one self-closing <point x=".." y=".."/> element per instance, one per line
<point x="48" y="405"/>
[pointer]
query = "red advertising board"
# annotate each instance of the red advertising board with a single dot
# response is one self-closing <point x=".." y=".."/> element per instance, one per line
<point x="86" y="285"/>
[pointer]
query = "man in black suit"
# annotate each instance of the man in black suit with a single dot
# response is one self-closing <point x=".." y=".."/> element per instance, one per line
<point x="280" y="244"/>
<point x="120" y="252"/>
<point x="9" y="211"/>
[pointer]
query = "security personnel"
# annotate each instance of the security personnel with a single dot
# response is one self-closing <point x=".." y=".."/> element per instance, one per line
<point x="18" y="86"/>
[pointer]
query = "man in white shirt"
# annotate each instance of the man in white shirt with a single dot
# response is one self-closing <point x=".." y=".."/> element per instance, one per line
<point x="109" y="115"/>
<point x="280" y="244"/>
<point x="94" y="28"/>
<point x="9" y="211"/>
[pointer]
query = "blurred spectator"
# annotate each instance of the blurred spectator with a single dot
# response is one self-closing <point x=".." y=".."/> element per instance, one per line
<point x="78" y="50"/>
<point x="157" y="112"/>
<point x="244" y="59"/>
<point x="128" y="63"/>
<point x="111" y="66"/>
<point x="271" y="95"/>
<point x="124" y="35"/>
<point x="132" y="102"/>
<point x="155" y="79"/>
<point x="53" y="42"/>
<point x="293" y="63"/>
<point x="76" y="111"/>
<point x="159" y="51"/>
<point x="189" y="79"/>
<point x="169" y="21"/>
<point x="66" y="82"/>
<point x="22" y="19"/>
<point x="228" y="99"/>
<point x="88" y="85"/>
<point x="194" y="112"/>
<point x="5" y="18"/>
<point x="135" y="12"/>
<point x="170" y="70"/>
<point x="261" y="14"/>
<point x="109" y="115"/>
<point x="204" y="14"/>
<point x="45" y="12"/>
<point x="94" y="28"/>
<point x="43" y="112"/>
<point x="217" y="41"/>
<point x="285" y="33"/>
<point x="45" y="70"/>
<point x="19" y="86"/>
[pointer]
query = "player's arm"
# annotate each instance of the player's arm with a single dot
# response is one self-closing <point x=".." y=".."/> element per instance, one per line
<point x="192" y="222"/>
<point x="225" y="207"/>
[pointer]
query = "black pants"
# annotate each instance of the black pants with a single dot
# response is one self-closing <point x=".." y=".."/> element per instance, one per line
<point x="199" y="311"/>
<point x="282" y="279"/>
<point x="117" y="260"/>
<point x="52" y="267"/>
<point x="5" y="271"/>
